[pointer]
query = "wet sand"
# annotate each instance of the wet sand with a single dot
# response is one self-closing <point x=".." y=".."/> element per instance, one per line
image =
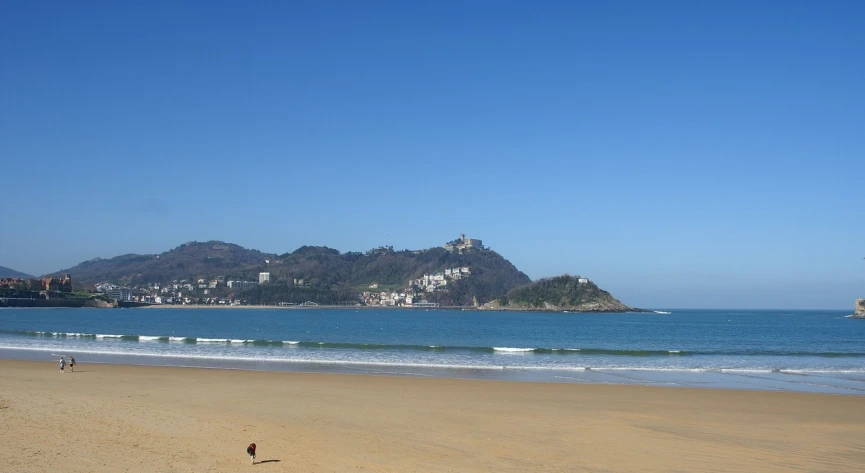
<point x="110" y="418"/>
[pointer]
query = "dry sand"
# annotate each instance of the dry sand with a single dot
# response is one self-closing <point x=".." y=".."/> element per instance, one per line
<point x="109" y="418"/>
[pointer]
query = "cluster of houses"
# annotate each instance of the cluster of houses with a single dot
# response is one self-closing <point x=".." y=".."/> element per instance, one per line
<point x="187" y="300"/>
<point x="438" y="281"/>
<point x="394" y="299"/>
<point x="200" y="291"/>
<point x="412" y="295"/>
<point x="63" y="284"/>
<point x="175" y="292"/>
<point x="13" y="283"/>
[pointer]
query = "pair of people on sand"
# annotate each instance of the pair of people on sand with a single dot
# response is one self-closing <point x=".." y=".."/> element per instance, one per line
<point x="71" y="363"/>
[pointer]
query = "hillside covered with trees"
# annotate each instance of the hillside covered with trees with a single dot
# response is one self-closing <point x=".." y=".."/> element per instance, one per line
<point x="316" y="273"/>
<point x="188" y="261"/>
<point x="565" y="292"/>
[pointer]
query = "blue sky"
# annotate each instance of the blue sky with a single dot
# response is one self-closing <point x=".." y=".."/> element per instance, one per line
<point x="681" y="154"/>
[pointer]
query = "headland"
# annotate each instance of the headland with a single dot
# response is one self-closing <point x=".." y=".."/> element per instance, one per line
<point x="462" y="273"/>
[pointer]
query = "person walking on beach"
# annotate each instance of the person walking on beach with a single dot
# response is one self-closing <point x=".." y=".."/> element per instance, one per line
<point x="62" y="363"/>
<point x="72" y="363"/>
<point x="250" y="450"/>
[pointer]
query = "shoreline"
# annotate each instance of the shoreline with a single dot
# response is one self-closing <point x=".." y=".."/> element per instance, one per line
<point x="844" y="383"/>
<point x="367" y="307"/>
<point x="106" y="418"/>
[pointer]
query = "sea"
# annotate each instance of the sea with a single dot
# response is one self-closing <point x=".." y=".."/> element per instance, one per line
<point x="781" y="350"/>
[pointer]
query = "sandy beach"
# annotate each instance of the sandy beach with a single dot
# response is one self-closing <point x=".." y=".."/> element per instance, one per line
<point x="110" y="418"/>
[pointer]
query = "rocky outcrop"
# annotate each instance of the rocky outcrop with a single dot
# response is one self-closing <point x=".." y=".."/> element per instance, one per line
<point x="616" y="307"/>
<point x="860" y="308"/>
<point x="101" y="303"/>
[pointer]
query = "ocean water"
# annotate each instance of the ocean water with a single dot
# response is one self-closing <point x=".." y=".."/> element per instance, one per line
<point x="806" y="351"/>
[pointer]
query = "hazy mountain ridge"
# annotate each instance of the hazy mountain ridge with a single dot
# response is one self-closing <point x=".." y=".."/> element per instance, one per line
<point x="11" y="273"/>
<point x="187" y="261"/>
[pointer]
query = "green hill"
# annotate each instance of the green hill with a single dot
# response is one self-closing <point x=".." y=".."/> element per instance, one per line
<point x="570" y="293"/>
<point x="314" y="273"/>
<point x="188" y="261"/>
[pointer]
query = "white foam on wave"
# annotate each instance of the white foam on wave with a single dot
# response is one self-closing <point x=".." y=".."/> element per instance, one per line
<point x="176" y="339"/>
<point x="673" y="352"/>
<point x="212" y="340"/>
<point x="512" y="350"/>
<point x="240" y="341"/>
<point x="744" y="370"/>
<point x="290" y="342"/>
<point x="661" y="312"/>
<point x="644" y="368"/>
<point x="118" y="351"/>
<point x="819" y="371"/>
<point x="311" y="361"/>
<point x="148" y="338"/>
<point x="102" y="335"/>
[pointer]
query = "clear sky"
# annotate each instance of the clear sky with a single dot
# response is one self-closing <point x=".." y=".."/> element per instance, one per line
<point x="680" y="154"/>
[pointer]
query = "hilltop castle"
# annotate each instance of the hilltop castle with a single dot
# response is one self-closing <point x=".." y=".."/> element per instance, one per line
<point x="464" y="243"/>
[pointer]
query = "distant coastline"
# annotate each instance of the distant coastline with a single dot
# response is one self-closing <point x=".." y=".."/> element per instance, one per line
<point x="72" y="303"/>
<point x="297" y="307"/>
<point x="365" y="307"/>
<point x="461" y="274"/>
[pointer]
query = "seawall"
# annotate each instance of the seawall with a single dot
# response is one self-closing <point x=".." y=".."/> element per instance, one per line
<point x="72" y="302"/>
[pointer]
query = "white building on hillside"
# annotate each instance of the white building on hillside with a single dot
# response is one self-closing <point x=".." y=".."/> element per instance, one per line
<point x="120" y="294"/>
<point x="241" y="285"/>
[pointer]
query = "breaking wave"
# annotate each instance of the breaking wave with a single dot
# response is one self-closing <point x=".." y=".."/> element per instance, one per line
<point x="500" y="350"/>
